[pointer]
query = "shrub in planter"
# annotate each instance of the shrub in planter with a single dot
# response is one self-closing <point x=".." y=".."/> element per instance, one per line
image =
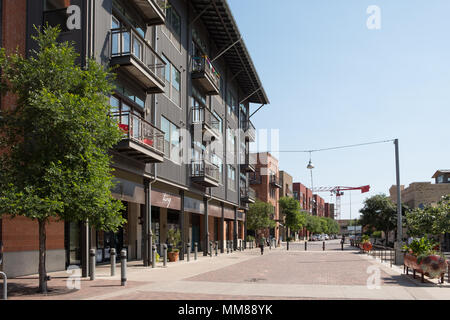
<point x="173" y="238"/>
<point x="421" y="256"/>
<point x="365" y="244"/>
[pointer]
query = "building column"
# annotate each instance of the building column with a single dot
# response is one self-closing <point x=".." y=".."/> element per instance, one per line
<point x="245" y="229"/>
<point x="147" y="257"/>
<point x="84" y="250"/>
<point x="222" y="229"/>
<point x="182" y="225"/>
<point x="235" y="229"/>
<point x="205" y="227"/>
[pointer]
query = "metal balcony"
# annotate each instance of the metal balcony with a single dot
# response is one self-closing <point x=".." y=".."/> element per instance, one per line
<point x="205" y="76"/>
<point x="141" y="140"/>
<point x="248" y="195"/>
<point x="153" y="11"/>
<point x="275" y="181"/>
<point x="250" y="131"/>
<point x="248" y="165"/>
<point x="209" y="122"/>
<point x="134" y="55"/>
<point x="205" y="173"/>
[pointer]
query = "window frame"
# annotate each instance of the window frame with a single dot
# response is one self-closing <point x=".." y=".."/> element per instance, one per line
<point x="168" y="152"/>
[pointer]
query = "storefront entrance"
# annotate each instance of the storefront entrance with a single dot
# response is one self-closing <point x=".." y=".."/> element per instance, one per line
<point x="72" y="239"/>
<point x="105" y="241"/>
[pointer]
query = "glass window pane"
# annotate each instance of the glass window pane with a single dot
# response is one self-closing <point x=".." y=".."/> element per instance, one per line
<point x="126" y="42"/>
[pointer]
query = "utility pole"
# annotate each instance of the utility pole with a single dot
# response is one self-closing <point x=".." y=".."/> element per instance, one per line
<point x="398" y="244"/>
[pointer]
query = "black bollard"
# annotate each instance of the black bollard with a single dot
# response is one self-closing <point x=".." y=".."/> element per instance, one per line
<point x="195" y="250"/>
<point x="92" y="263"/>
<point x="113" y="262"/>
<point x="306" y="245"/>
<point x="188" y="251"/>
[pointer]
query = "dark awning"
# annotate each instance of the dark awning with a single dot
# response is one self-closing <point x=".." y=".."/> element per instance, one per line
<point x="223" y="30"/>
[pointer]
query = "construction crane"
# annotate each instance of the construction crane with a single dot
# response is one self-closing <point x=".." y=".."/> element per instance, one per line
<point x="339" y="192"/>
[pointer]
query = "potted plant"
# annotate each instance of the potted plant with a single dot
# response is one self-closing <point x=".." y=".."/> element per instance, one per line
<point x="421" y="256"/>
<point x="173" y="238"/>
<point x="365" y="244"/>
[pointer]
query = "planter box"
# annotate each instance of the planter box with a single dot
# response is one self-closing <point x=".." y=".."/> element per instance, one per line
<point x="366" y="246"/>
<point x="173" y="256"/>
<point x="432" y="266"/>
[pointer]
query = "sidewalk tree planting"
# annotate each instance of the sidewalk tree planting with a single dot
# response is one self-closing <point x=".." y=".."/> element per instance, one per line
<point x="431" y="220"/>
<point x="55" y="140"/>
<point x="290" y="208"/>
<point x="259" y="216"/>
<point x="379" y="213"/>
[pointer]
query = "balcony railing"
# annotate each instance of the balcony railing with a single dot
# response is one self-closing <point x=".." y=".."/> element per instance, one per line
<point x="248" y="195"/>
<point x="141" y="140"/>
<point x="153" y="11"/>
<point x="250" y="131"/>
<point x="205" y="173"/>
<point x="204" y="72"/>
<point x="131" y="50"/>
<point x="275" y="181"/>
<point x="202" y="115"/>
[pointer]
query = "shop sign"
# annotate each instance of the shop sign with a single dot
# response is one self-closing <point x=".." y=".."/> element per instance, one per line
<point x="166" y="200"/>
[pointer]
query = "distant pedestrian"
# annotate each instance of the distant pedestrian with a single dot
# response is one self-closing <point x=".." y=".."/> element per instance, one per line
<point x="262" y="243"/>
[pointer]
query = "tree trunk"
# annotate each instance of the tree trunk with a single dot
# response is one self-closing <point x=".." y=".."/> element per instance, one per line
<point x="42" y="257"/>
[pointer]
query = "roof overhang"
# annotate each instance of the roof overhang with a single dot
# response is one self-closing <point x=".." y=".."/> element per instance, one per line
<point x="439" y="172"/>
<point x="219" y="21"/>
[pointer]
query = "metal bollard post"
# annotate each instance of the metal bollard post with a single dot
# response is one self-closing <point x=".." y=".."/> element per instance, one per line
<point x="228" y="246"/>
<point x="92" y="263"/>
<point x="323" y="246"/>
<point x="287" y="246"/>
<point x="113" y="261"/>
<point x="306" y="245"/>
<point x="123" y="267"/>
<point x="195" y="250"/>
<point x="231" y="246"/>
<point x="153" y="256"/>
<point x="188" y="253"/>
<point x="210" y="249"/>
<point x="342" y="245"/>
<point x="217" y="248"/>
<point x="270" y="245"/>
<point x="165" y="255"/>
<point x="5" y="285"/>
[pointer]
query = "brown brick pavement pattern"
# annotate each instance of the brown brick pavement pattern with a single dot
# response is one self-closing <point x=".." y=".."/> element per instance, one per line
<point x="316" y="268"/>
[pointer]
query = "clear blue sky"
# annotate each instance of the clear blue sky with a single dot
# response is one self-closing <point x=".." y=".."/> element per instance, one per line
<point x="331" y="81"/>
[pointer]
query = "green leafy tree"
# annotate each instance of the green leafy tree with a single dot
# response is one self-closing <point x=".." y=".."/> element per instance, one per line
<point x="290" y="208"/>
<point x="260" y="216"/>
<point x="380" y="213"/>
<point x="55" y="163"/>
<point x="431" y="220"/>
<point x="313" y="224"/>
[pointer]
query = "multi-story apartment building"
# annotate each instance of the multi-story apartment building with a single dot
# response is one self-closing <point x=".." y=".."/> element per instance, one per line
<point x="184" y="85"/>
<point x="286" y="181"/>
<point x="267" y="185"/>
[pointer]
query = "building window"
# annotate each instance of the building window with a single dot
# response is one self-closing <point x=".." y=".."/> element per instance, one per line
<point x="171" y="140"/>
<point x="172" y="79"/>
<point x="172" y="28"/>
<point x="215" y="159"/>
<point x="138" y="99"/>
<point x="231" y="178"/>
<point x="231" y="105"/>
<point x="440" y="179"/>
<point x="220" y="125"/>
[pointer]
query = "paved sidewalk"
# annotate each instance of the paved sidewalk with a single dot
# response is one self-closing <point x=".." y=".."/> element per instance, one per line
<point x="278" y="274"/>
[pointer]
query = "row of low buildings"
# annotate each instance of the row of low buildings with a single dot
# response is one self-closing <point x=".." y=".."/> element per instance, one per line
<point x="269" y="184"/>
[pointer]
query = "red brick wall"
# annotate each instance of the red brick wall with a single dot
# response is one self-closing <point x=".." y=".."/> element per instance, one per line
<point x="14" y="34"/>
<point x="22" y="234"/>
